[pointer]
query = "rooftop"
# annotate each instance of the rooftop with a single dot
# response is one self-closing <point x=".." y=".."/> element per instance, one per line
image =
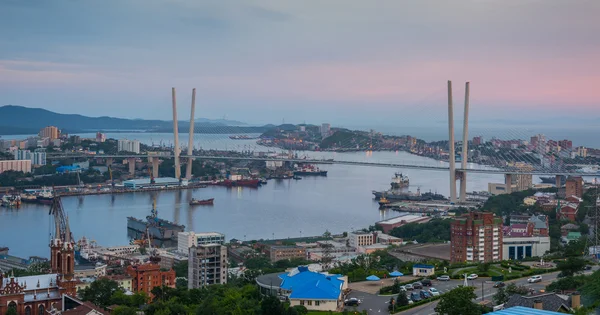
<point x="550" y="301"/>
<point x="520" y="310"/>
<point x="423" y="266"/>
<point x="306" y="284"/>
<point x="408" y="218"/>
<point x="32" y="281"/>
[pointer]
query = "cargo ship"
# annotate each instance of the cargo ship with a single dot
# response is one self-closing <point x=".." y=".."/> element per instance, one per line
<point x="242" y="137"/>
<point x="309" y="170"/>
<point x="195" y="202"/>
<point x="399" y="181"/>
<point x="45" y="196"/>
<point x="157" y="228"/>
<point x="552" y="180"/>
<point x="392" y="195"/>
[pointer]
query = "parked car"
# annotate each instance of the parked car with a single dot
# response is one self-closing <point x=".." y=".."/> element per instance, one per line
<point x="434" y="292"/>
<point x="403" y="288"/>
<point x="415" y="296"/>
<point x="409" y="287"/>
<point x="426" y="282"/>
<point x="534" y="279"/>
<point x="424" y="294"/>
<point x="472" y="276"/>
<point x="352" y="302"/>
<point x="588" y="267"/>
<point x="410" y="301"/>
<point x="417" y="285"/>
<point x="443" y="278"/>
<point x="499" y="284"/>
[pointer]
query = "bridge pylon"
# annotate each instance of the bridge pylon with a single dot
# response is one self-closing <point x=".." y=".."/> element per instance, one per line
<point x="451" y="145"/>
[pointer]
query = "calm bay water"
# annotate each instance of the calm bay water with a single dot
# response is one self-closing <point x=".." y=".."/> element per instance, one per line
<point x="340" y="202"/>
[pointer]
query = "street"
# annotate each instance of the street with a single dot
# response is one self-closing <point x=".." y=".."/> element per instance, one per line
<point x="488" y="289"/>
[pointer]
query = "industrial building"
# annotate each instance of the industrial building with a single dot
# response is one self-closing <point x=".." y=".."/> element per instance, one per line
<point x="158" y="182"/>
<point x="276" y="253"/>
<point x="389" y="224"/>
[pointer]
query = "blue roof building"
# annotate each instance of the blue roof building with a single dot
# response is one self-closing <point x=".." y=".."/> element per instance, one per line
<point x="313" y="290"/>
<point x="420" y="270"/>
<point x="520" y="310"/>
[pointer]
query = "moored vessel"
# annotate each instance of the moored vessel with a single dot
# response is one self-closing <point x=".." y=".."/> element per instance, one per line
<point x="399" y="180"/>
<point x="195" y="202"/>
<point x="309" y="170"/>
<point x="393" y="195"/>
<point x="155" y="227"/>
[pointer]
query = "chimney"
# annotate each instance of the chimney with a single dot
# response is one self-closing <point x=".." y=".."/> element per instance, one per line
<point x="537" y="304"/>
<point x="575" y="300"/>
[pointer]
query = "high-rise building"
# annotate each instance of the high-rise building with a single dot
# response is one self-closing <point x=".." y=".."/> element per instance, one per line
<point x="23" y="155"/>
<point x="476" y="237"/>
<point x="129" y="146"/>
<point x="574" y="186"/>
<point x="16" y="165"/>
<point x="49" y="132"/>
<point x="207" y="265"/>
<point x="37" y="158"/>
<point x="565" y="144"/>
<point x="100" y="137"/>
<point x="185" y="240"/>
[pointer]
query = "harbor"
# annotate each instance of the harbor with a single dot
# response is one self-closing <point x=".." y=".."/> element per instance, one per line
<point x="280" y="209"/>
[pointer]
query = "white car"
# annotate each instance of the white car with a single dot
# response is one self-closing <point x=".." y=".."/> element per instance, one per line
<point x="403" y="288"/>
<point x="443" y="278"/>
<point x="472" y="276"/>
<point x="434" y="292"/>
<point x="534" y="279"/>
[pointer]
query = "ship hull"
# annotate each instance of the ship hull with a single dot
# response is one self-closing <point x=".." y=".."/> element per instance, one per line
<point x="305" y="173"/>
<point x="407" y="197"/>
<point x="44" y="200"/>
<point x="243" y="183"/>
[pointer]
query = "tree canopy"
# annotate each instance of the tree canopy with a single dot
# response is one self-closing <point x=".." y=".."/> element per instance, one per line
<point x="436" y="230"/>
<point x="458" y="301"/>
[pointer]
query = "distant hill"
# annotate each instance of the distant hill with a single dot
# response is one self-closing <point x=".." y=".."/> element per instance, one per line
<point x="19" y="120"/>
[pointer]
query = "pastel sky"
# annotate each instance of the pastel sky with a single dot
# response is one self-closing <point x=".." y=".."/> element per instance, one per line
<point x="343" y="61"/>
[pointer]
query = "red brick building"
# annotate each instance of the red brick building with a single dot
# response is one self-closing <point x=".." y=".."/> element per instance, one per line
<point x="476" y="237"/>
<point x="568" y="212"/>
<point x="148" y="276"/>
<point x="574" y="186"/>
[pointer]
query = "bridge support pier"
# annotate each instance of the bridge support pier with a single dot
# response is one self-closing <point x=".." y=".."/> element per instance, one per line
<point x="508" y="183"/>
<point x="558" y="181"/>
<point x="465" y="147"/>
<point x="131" y="162"/>
<point x="154" y="161"/>
<point x="190" y="150"/>
<point x="452" y="156"/>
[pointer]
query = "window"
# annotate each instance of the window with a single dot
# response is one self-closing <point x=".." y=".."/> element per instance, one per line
<point x="317" y="303"/>
<point x="301" y="302"/>
<point x="309" y="303"/>
<point x="28" y="310"/>
<point x="41" y="309"/>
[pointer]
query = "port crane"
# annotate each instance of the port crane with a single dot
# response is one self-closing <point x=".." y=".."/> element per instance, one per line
<point x="112" y="181"/>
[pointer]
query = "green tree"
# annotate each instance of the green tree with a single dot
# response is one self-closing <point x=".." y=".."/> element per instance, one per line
<point x="11" y="311"/>
<point x="100" y="292"/>
<point x="181" y="269"/>
<point x="124" y="310"/>
<point x="458" y="301"/>
<point x="571" y="266"/>
<point x="501" y="296"/>
<point x="272" y="305"/>
<point x="512" y="288"/>
<point x="402" y="299"/>
<point x="300" y="309"/>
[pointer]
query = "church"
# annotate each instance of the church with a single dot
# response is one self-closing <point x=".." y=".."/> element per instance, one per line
<point x="42" y="294"/>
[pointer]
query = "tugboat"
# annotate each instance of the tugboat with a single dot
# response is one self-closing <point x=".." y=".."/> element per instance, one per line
<point x="11" y="201"/>
<point x="383" y="201"/>
<point x="195" y="202"/>
<point x="399" y="180"/>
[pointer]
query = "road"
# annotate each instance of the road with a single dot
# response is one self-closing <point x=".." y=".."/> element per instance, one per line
<point x="488" y="289"/>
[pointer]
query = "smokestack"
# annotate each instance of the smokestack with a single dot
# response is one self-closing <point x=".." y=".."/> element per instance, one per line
<point x="176" y="134"/>
<point x="465" y="147"/>
<point x="537" y="304"/>
<point x="451" y="145"/>
<point x="188" y="170"/>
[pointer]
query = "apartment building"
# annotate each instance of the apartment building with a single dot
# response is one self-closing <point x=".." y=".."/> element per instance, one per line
<point x="476" y="237"/>
<point x="207" y="265"/>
